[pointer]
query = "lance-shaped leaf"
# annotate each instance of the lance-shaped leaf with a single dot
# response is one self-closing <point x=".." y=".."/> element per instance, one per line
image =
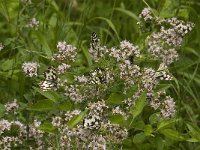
<point x="138" y="107"/>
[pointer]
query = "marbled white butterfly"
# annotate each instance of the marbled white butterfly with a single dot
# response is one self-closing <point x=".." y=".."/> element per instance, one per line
<point x="50" y="82"/>
<point x="95" y="41"/>
<point x="98" y="76"/>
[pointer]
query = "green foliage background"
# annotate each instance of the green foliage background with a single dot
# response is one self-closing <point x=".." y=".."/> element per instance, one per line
<point x="114" y="20"/>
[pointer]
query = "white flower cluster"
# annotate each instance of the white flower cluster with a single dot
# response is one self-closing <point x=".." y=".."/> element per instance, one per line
<point x="89" y="86"/>
<point x="129" y="73"/>
<point x="164" y="103"/>
<point x="125" y="52"/>
<point x="76" y="93"/>
<point x="33" y="23"/>
<point x="62" y="68"/>
<point x="162" y="44"/>
<point x="65" y="52"/>
<point x="87" y="135"/>
<point x="13" y="141"/>
<point x="146" y="14"/>
<point x="12" y="106"/>
<point x="13" y="134"/>
<point x="180" y="26"/>
<point x="168" y="107"/>
<point x="30" y="68"/>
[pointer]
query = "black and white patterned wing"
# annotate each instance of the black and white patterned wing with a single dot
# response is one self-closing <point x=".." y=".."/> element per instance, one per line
<point x="95" y="46"/>
<point x="50" y="82"/>
<point x="95" y="41"/>
<point x="98" y="76"/>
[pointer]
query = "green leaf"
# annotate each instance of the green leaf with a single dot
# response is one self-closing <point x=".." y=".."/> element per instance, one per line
<point x="47" y="127"/>
<point x="138" y="107"/>
<point x="7" y="64"/>
<point x="192" y="140"/>
<point x="117" y="118"/>
<point x="163" y="87"/>
<point x="148" y="130"/>
<point x="41" y="106"/>
<point x="51" y="95"/>
<point x="115" y="98"/>
<point x="194" y="131"/>
<point x="127" y="12"/>
<point x="138" y="125"/>
<point x="169" y="8"/>
<point x="66" y="106"/>
<point x="75" y="120"/>
<point x="139" y="138"/>
<point x="159" y="143"/>
<point x="154" y="118"/>
<point x="184" y="13"/>
<point x="166" y="124"/>
<point x="172" y="134"/>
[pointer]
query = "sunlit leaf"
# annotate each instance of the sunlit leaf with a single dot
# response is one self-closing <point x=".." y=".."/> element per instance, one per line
<point x="148" y="130"/>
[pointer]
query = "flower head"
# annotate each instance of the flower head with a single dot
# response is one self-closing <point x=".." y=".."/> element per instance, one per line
<point x="30" y="68"/>
<point x="33" y="23"/>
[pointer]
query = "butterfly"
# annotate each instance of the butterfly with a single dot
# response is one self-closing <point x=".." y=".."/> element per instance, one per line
<point x="51" y="80"/>
<point x="95" y="41"/>
<point x="98" y="76"/>
<point x="95" y="45"/>
<point x="92" y="122"/>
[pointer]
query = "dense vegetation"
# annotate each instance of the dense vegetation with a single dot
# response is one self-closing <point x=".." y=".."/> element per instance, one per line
<point x="100" y="74"/>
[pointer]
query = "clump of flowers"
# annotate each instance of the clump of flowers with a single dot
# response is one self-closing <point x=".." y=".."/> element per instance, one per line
<point x="30" y="68"/>
<point x="146" y="14"/>
<point x="162" y="44"/>
<point x="62" y="68"/>
<point x="33" y="23"/>
<point x="88" y="134"/>
<point x="14" y="133"/>
<point x="12" y="106"/>
<point x="168" y="107"/>
<point x="65" y="52"/>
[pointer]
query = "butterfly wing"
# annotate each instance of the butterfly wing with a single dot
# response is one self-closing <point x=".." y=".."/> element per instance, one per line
<point x="50" y="81"/>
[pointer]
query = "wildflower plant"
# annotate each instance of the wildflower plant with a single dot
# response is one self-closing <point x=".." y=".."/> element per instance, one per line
<point x="92" y="124"/>
<point x="117" y="99"/>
